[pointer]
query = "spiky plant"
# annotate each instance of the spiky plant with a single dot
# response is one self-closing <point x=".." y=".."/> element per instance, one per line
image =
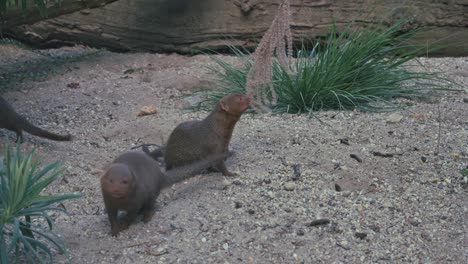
<point x="360" y="68"/>
<point x="26" y="227"/>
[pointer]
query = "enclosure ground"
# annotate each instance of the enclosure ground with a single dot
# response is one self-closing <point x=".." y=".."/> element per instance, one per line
<point x="406" y="206"/>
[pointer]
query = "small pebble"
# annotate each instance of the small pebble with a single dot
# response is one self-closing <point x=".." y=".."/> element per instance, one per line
<point x="338" y="187"/>
<point x="360" y="235"/>
<point x="226" y="184"/>
<point x="289" y="186"/>
<point x="394" y="118"/>
<point x="323" y="221"/>
<point x="356" y="157"/>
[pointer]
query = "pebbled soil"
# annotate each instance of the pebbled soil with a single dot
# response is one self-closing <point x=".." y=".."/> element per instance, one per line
<point x="353" y="188"/>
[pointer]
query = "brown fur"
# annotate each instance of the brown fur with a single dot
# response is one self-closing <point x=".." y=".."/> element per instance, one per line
<point x="195" y="140"/>
<point x="133" y="182"/>
<point x="11" y="120"/>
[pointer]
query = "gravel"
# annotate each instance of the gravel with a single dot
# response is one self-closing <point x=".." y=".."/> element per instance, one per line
<point x="300" y="196"/>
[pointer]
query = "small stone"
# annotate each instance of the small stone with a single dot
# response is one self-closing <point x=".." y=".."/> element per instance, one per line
<point x="193" y="100"/>
<point x="394" y="118"/>
<point x="226" y="246"/>
<point x="375" y="228"/>
<point x="147" y="110"/>
<point x="271" y="194"/>
<point x="299" y="210"/>
<point x="356" y="157"/>
<point x="465" y="100"/>
<point x="203" y="239"/>
<point x="237" y="182"/>
<point x="289" y="186"/>
<point x="237" y="205"/>
<point x="338" y="187"/>
<point x="226" y="184"/>
<point x="426" y="236"/>
<point x="300" y="232"/>
<point x="251" y="211"/>
<point x="423" y="159"/>
<point x="344" y="141"/>
<point x="323" y="221"/>
<point x="360" y="235"/>
<point x="204" y="228"/>
<point x="343" y="244"/>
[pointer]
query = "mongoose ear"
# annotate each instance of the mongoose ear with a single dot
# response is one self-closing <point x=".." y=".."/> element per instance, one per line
<point x="224" y="106"/>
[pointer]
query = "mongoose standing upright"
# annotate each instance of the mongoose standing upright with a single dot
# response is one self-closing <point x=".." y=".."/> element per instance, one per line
<point x="133" y="181"/>
<point x="11" y="120"/>
<point x="195" y="140"/>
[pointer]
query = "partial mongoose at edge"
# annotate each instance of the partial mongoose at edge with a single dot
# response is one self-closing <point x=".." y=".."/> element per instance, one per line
<point x="11" y="120"/>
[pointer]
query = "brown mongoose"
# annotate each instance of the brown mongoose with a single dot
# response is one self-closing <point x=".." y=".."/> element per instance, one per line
<point x="194" y="140"/>
<point x="133" y="181"/>
<point x="11" y="120"/>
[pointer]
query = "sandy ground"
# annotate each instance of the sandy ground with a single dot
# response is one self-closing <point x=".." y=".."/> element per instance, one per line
<point x="408" y="208"/>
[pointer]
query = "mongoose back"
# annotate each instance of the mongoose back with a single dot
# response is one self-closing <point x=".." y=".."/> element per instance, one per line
<point x="11" y="120"/>
<point x="133" y="181"/>
<point x="195" y="140"/>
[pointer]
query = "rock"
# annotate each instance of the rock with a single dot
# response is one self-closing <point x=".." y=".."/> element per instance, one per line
<point x="465" y="100"/>
<point x="289" y="186"/>
<point x="194" y="100"/>
<point x="356" y="157"/>
<point x="360" y="235"/>
<point x="318" y="222"/>
<point x="300" y="232"/>
<point x="338" y="187"/>
<point x="226" y="184"/>
<point x="343" y="244"/>
<point x="394" y="118"/>
<point x="271" y="194"/>
<point x="237" y="204"/>
<point x="344" y="141"/>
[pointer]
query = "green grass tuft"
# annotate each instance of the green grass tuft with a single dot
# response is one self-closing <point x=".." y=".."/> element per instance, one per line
<point x="26" y="227"/>
<point x="361" y="68"/>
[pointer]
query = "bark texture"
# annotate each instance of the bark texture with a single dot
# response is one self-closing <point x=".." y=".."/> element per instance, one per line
<point x="16" y="17"/>
<point x="186" y="25"/>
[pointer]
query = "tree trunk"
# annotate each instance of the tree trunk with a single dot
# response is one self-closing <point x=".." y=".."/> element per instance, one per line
<point x="187" y="25"/>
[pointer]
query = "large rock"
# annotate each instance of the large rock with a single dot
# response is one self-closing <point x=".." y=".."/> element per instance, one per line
<point x="186" y="25"/>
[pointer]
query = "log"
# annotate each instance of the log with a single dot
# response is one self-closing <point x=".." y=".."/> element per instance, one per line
<point x="186" y="26"/>
<point x="16" y="17"/>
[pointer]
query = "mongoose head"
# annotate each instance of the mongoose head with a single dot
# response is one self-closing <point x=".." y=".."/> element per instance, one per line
<point x="235" y="103"/>
<point x="118" y="181"/>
